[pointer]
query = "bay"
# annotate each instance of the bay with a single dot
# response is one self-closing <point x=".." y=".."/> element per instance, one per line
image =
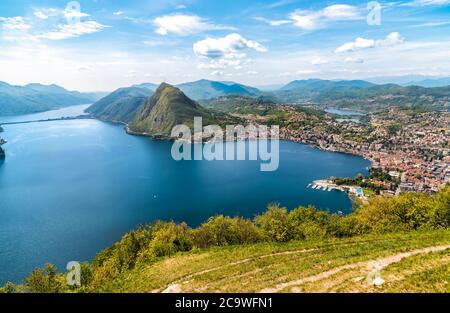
<point x="69" y="189"/>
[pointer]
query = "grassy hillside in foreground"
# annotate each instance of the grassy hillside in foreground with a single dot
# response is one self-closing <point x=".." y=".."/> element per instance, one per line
<point x="335" y="265"/>
<point x="304" y="249"/>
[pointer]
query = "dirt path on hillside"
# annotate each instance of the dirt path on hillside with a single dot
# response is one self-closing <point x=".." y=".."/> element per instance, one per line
<point x="176" y="286"/>
<point x="381" y="264"/>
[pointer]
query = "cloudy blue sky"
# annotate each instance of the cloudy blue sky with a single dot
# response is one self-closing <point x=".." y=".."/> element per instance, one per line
<point x="101" y="45"/>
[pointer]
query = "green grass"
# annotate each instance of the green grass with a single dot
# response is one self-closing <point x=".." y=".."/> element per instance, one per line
<point x="252" y="268"/>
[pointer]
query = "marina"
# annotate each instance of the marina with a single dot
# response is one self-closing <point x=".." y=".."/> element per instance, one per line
<point x="328" y="185"/>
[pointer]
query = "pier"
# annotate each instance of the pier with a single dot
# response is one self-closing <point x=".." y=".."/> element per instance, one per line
<point x="327" y="185"/>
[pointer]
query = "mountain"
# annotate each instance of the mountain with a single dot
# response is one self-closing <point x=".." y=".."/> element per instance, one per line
<point x="240" y="104"/>
<point x="150" y="86"/>
<point x="207" y="89"/>
<point x="320" y="85"/>
<point x="431" y="82"/>
<point x="168" y="107"/>
<point x="121" y="105"/>
<point x="362" y="95"/>
<point x="37" y="98"/>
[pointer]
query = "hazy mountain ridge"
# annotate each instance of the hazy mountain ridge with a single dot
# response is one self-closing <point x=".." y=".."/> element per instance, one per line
<point x="207" y="89"/>
<point x="361" y="94"/>
<point x="357" y="94"/>
<point x="34" y="98"/>
<point x="121" y="105"/>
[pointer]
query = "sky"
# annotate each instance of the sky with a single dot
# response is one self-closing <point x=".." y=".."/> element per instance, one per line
<point x="101" y="45"/>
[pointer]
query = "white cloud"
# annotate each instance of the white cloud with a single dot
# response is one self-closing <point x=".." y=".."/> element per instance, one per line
<point x="433" y="24"/>
<point x="273" y="22"/>
<point x="391" y="40"/>
<point x="421" y="3"/>
<point x="76" y="15"/>
<point x="182" y="24"/>
<point x="14" y="23"/>
<point x="305" y="72"/>
<point x="340" y="12"/>
<point x="45" y="13"/>
<point x="310" y="20"/>
<point x="73" y="30"/>
<point x="353" y="60"/>
<point x="230" y="46"/>
<point x="217" y="73"/>
<point x="252" y="72"/>
<point x="217" y="64"/>
<point x="361" y="43"/>
<point x="319" y="61"/>
<point x="118" y="13"/>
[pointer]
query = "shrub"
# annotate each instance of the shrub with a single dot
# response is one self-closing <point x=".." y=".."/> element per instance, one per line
<point x="44" y="280"/>
<point x="9" y="287"/>
<point x="221" y="231"/>
<point x="168" y="239"/>
<point x="406" y="212"/>
<point x="307" y="223"/>
<point x="274" y="224"/>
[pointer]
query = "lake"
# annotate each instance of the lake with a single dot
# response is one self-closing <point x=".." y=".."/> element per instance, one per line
<point x="69" y="189"/>
<point x="343" y="112"/>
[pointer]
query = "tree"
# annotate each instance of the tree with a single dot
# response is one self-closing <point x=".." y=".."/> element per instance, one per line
<point x="274" y="224"/>
<point x="44" y="280"/>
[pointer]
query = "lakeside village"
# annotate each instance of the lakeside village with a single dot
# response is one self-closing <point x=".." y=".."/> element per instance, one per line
<point x="409" y="150"/>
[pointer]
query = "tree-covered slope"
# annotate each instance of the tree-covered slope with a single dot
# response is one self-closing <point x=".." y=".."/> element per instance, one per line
<point x="121" y="106"/>
<point x="168" y="107"/>
<point x="207" y="89"/>
<point x="362" y="95"/>
<point x="36" y="98"/>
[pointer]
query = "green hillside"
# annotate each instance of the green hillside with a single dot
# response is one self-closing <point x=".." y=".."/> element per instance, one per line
<point x="207" y="89"/>
<point x="241" y="104"/>
<point x="339" y="265"/>
<point x="168" y="107"/>
<point x="121" y="105"/>
<point x="403" y="240"/>
<point x="34" y="98"/>
<point x="362" y="95"/>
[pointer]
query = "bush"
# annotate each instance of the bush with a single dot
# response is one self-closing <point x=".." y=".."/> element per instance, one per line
<point x="9" y="287"/>
<point x="223" y="231"/>
<point x="167" y="240"/>
<point x="308" y="223"/>
<point x="406" y="212"/>
<point x="274" y="224"/>
<point x="44" y="280"/>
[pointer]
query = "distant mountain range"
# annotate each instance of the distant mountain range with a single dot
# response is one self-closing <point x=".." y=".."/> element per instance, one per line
<point x="37" y="98"/>
<point x="362" y="95"/>
<point x="124" y="103"/>
<point x="208" y="89"/>
<point x="319" y="84"/>
<point x="430" y="82"/>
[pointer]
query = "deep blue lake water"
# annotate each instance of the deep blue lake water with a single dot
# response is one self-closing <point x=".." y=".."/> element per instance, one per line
<point x="71" y="188"/>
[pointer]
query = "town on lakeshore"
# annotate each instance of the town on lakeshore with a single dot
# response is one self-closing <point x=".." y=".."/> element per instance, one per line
<point x="409" y="149"/>
<point x="198" y="146"/>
